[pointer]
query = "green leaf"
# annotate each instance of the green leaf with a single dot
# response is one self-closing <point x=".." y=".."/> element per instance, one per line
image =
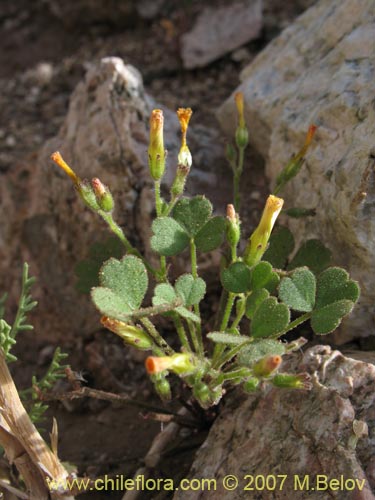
<point x="185" y="313"/>
<point x="211" y="235"/>
<point x="163" y="294"/>
<point x="335" y="298"/>
<point x="169" y="237"/>
<point x="255" y="351"/>
<point x="227" y="338"/>
<point x="123" y="286"/>
<point x="328" y="318"/>
<point x="236" y="278"/>
<point x="335" y="284"/>
<point x="192" y="213"/>
<point x="262" y="275"/>
<point x="87" y="271"/>
<point x="280" y="247"/>
<point x="312" y="254"/>
<point x="298" y="292"/>
<point x="270" y="318"/>
<point x="190" y="289"/>
<point x="254" y="300"/>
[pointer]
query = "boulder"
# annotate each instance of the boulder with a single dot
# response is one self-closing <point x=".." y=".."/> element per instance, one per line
<point x="321" y="70"/>
<point x="219" y="30"/>
<point x="282" y="443"/>
<point x="43" y="221"/>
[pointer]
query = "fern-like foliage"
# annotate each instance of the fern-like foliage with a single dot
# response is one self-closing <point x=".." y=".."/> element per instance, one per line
<point x="25" y="305"/>
<point x="56" y="371"/>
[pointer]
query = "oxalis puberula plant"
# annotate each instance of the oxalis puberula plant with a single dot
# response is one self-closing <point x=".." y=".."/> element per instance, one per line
<point x="265" y="294"/>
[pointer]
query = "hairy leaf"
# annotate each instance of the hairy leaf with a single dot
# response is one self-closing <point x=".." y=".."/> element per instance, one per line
<point x="236" y="278"/>
<point x="262" y="275"/>
<point x="227" y="338"/>
<point x="270" y="318"/>
<point x="328" y="318"/>
<point x="254" y="300"/>
<point x="169" y="237"/>
<point x="192" y="213"/>
<point x="255" y="351"/>
<point x="211" y="235"/>
<point x="123" y="286"/>
<point x="190" y="289"/>
<point x="298" y="292"/>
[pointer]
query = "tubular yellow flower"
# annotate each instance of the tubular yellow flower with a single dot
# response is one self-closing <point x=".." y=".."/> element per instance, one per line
<point x="184" y="156"/>
<point x="182" y="364"/>
<point x="259" y="239"/>
<point x="58" y="159"/>
<point x="238" y="97"/>
<point x="156" y="152"/>
<point x="130" y="334"/>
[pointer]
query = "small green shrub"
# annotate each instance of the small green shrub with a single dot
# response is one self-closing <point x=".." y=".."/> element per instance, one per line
<point x="261" y="287"/>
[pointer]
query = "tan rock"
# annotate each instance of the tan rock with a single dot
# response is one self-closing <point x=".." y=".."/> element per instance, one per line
<point x="321" y="70"/>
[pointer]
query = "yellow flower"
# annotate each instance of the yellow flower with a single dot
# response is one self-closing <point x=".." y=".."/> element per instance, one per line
<point x="259" y="239"/>
<point x="58" y="159"/>
<point x="180" y="363"/>
<point x="184" y="156"/>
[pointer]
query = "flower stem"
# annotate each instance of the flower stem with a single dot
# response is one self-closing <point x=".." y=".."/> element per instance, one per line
<point x="181" y="332"/>
<point x="224" y="323"/>
<point x="237" y="178"/>
<point x="150" y="327"/>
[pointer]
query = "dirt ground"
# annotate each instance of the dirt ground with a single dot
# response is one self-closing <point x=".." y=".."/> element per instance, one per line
<point x="42" y="57"/>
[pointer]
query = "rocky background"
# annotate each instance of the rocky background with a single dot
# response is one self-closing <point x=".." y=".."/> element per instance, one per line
<point x="82" y="76"/>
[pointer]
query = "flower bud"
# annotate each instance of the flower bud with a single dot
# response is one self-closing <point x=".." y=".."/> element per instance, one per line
<point x="162" y="386"/>
<point x="294" y="166"/>
<point x="156" y="152"/>
<point x="265" y="366"/>
<point x="184" y="156"/>
<point x="130" y="334"/>
<point x="233" y="231"/>
<point x="251" y="384"/>
<point x="180" y="363"/>
<point x="85" y="191"/>
<point x="179" y="182"/>
<point x="258" y="241"/>
<point x="103" y="195"/>
<point x="300" y="381"/>
<point x="242" y="134"/>
<point x="206" y="396"/>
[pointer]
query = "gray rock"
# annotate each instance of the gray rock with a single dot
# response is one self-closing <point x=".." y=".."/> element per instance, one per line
<point x="321" y="70"/>
<point x="219" y="30"/>
<point x="295" y="433"/>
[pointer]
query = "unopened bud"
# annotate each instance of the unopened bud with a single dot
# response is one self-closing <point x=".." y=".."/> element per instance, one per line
<point x="205" y="395"/>
<point x="130" y="334"/>
<point x="103" y="195"/>
<point x="162" y="386"/>
<point x="242" y="134"/>
<point x="156" y="152"/>
<point x="251" y="384"/>
<point x="258" y="241"/>
<point x="295" y="164"/>
<point x="179" y="182"/>
<point x="181" y="364"/>
<point x="233" y="231"/>
<point x="265" y="366"/>
<point x="300" y="381"/>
